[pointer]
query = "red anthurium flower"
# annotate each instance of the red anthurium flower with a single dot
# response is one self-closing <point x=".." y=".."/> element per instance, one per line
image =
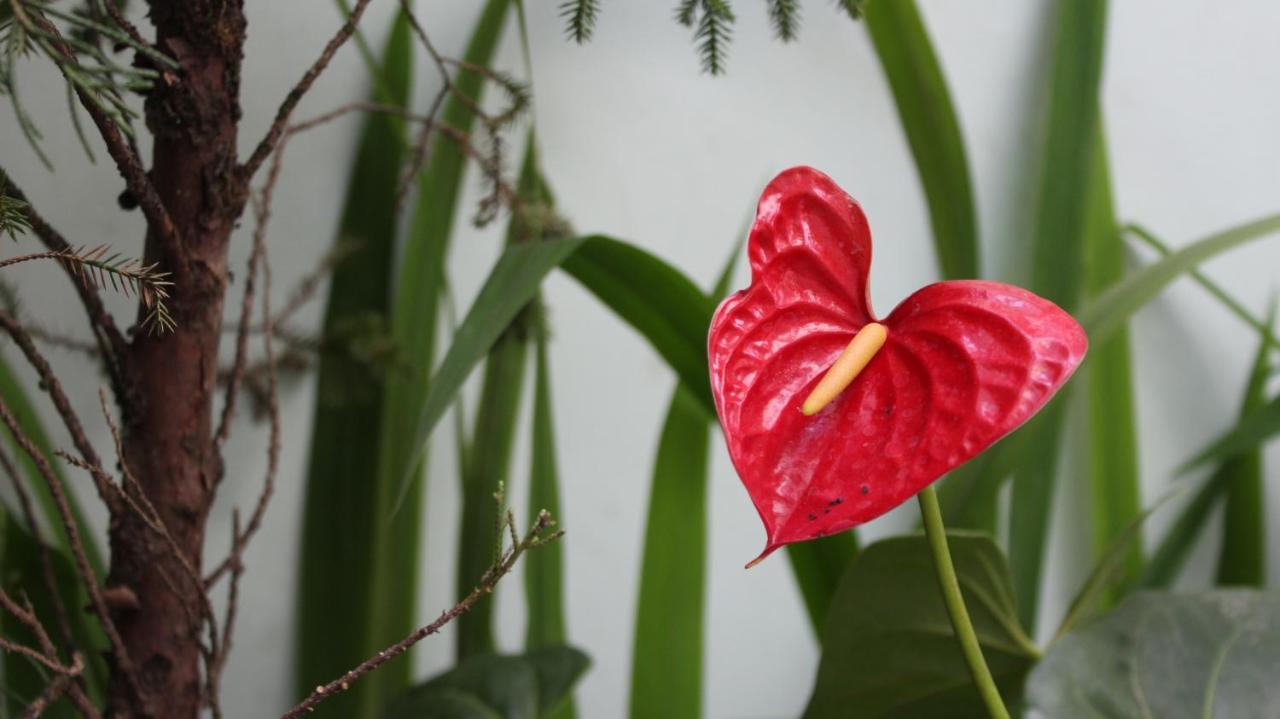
<point x="962" y="364"/>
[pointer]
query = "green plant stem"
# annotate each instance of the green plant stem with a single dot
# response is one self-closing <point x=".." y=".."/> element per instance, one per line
<point x="950" y="586"/>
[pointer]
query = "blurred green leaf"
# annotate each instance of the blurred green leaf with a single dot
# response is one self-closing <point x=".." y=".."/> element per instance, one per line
<point x="22" y="575"/>
<point x="666" y="667"/>
<point x="419" y="285"/>
<point x="488" y="464"/>
<point x="543" y="570"/>
<point x="888" y="647"/>
<point x="510" y="286"/>
<point x="818" y="565"/>
<point x="493" y="686"/>
<point x="343" y="614"/>
<point x="657" y="300"/>
<point x="15" y="395"/>
<point x="1240" y="560"/>
<point x="1169" y="656"/>
<point x="1109" y="310"/>
<point x="1252" y="430"/>
<point x="1061" y="223"/>
<point x="929" y="121"/>
<point x="1112" y="435"/>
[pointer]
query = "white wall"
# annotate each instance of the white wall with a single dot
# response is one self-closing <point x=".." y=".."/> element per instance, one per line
<point x="638" y="144"/>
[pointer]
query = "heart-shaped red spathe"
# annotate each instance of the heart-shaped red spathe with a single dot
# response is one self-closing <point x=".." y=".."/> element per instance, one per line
<point x="965" y="363"/>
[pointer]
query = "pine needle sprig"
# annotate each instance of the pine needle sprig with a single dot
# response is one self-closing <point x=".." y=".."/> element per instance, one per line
<point x="785" y="16"/>
<point x="713" y="35"/>
<point x="580" y="18"/>
<point x="852" y="7"/>
<point x="99" y="267"/>
<point x="13" y="217"/>
<point x="26" y="27"/>
<point x="687" y="12"/>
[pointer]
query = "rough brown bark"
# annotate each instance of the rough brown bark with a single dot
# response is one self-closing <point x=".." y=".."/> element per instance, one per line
<point x="171" y="385"/>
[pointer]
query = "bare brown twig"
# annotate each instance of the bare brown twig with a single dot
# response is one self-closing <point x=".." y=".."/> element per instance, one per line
<point x="501" y="567"/>
<point x="277" y="129"/>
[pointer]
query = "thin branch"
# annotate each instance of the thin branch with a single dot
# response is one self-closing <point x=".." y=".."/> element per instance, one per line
<point x="534" y="538"/>
<point x="277" y="129"/>
<point x="63" y="682"/>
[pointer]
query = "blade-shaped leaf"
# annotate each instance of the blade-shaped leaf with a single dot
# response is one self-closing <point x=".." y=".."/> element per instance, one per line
<point x="1252" y="430"/>
<point x="1114" y="488"/>
<point x="1168" y="656"/>
<point x="656" y="299"/>
<point x="888" y="647"/>
<point x="929" y="121"/>
<point x="1061" y="222"/>
<point x="340" y="609"/>
<point x="510" y="286"/>
<point x="23" y="576"/>
<point x="666" y="665"/>
<point x="818" y="566"/>
<point x="419" y="285"/>
<point x="488" y="464"/>
<point x="543" y="570"/>
<point x="15" y="395"/>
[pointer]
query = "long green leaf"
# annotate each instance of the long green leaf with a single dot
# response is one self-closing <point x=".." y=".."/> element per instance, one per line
<point x="1242" y="558"/>
<point x="1109" y="310"/>
<point x="656" y="299"/>
<point x="15" y="395"/>
<point x="1252" y="430"/>
<point x="1061" y="222"/>
<point x="339" y="610"/>
<point x="666" y="668"/>
<point x="929" y="120"/>
<point x="510" y="286"/>
<point x="487" y="466"/>
<point x="1112" y="428"/>
<point x="666" y="675"/>
<point x="23" y="576"/>
<point x="419" y="285"/>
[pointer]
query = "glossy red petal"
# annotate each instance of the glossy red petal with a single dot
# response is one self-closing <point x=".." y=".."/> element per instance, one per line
<point x="965" y="363"/>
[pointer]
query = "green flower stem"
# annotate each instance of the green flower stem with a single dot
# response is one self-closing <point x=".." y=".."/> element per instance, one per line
<point x="950" y="586"/>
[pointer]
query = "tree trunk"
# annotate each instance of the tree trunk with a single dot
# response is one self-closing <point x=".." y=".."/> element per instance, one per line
<point x="168" y="402"/>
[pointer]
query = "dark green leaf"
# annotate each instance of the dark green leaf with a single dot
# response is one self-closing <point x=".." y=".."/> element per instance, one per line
<point x="1112" y="433"/>
<point x="929" y="120"/>
<point x="15" y="395"/>
<point x="659" y="301"/>
<point x="22" y="575"/>
<point x="818" y="566"/>
<point x="343" y="613"/>
<point x="491" y="686"/>
<point x="1167" y="656"/>
<point x="543" y="570"/>
<point x="888" y="647"/>
<point x="666" y="667"/>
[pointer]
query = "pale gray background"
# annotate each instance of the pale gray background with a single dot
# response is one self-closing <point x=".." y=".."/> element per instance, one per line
<point x="640" y="145"/>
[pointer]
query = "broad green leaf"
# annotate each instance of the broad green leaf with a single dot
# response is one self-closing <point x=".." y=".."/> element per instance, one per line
<point x="656" y="299"/>
<point x="22" y="575"/>
<point x="818" y="565"/>
<point x="494" y="686"/>
<point x="419" y="285"/>
<point x="510" y="286"/>
<point x="1060" y="226"/>
<point x="1109" y="310"/>
<point x="341" y="615"/>
<point x="15" y="396"/>
<point x="1168" y="656"/>
<point x="1115" y="492"/>
<point x="666" y="665"/>
<point x="929" y="121"/>
<point x="488" y="464"/>
<point x="888" y="647"/>
<point x="1242" y="558"/>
